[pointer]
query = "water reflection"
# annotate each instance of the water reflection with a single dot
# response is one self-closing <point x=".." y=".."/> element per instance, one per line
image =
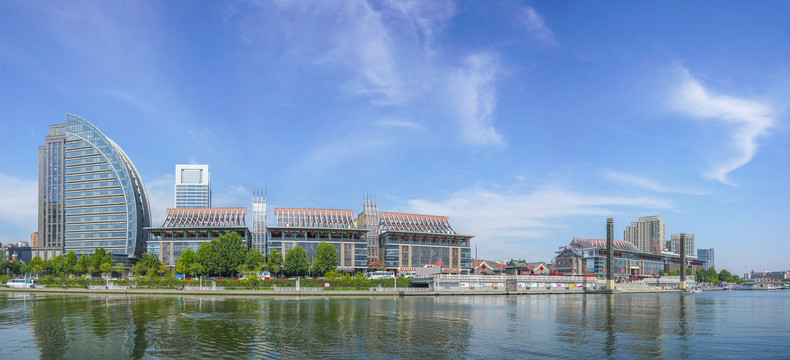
<point x="622" y="326"/>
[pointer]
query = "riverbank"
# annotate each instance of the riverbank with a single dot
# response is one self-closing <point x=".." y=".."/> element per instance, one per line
<point x="318" y="292"/>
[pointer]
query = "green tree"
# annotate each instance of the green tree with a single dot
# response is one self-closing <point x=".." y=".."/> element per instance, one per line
<point x="724" y="275"/>
<point x="71" y="262"/>
<point x="230" y="252"/>
<point x="59" y="266"/>
<point x="148" y="265"/>
<point x="83" y="265"/>
<point x="254" y="260"/>
<point x="118" y="269"/>
<point x="187" y="263"/>
<point x="206" y="258"/>
<point x="36" y="266"/>
<point x="296" y="263"/>
<point x="275" y="262"/>
<point x="325" y="258"/>
<point x="105" y="268"/>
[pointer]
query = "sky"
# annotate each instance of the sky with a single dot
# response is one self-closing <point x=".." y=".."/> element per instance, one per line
<point x="526" y="123"/>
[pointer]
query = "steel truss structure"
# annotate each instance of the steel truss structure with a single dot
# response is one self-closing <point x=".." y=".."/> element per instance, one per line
<point x="315" y="218"/>
<point x="205" y="217"/>
<point x="414" y="223"/>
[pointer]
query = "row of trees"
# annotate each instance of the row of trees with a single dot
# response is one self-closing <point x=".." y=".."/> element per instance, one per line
<point x="712" y="276"/>
<point x="297" y="264"/>
<point x="64" y="266"/>
<point x="228" y="254"/>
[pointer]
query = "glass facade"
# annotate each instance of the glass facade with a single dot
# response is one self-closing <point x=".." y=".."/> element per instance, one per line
<point x="101" y="194"/>
<point x="419" y="250"/>
<point x="169" y="242"/>
<point x="350" y="245"/>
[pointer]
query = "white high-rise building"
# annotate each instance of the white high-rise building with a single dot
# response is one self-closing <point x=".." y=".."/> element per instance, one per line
<point x="648" y="234"/>
<point x="193" y="186"/>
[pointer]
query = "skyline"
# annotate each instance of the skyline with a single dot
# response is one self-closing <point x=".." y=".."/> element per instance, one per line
<point x="526" y="123"/>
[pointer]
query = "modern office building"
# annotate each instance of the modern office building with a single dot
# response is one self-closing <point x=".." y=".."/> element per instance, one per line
<point x="90" y="193"/>
<point x="193" y="186"/>
<point x="708" y="257"/>
<point x="309" y="227"/>
<point x="648" y="234"/>
<point x="187" y="228"/>
<point x="673" y="245"/>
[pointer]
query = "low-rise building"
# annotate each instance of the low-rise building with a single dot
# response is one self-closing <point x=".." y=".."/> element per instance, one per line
<point x="187" y="228"/>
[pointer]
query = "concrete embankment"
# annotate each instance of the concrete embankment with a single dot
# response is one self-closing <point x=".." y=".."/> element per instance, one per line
<point x="321" y="292"/>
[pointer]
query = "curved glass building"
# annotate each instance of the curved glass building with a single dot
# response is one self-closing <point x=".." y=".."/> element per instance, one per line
<point x="91" y="194"/>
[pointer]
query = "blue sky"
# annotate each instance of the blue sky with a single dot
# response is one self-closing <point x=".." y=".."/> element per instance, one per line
<point x="528" y="123"/>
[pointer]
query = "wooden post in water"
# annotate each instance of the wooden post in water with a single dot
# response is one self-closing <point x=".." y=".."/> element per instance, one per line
<point x="683" y="261"/>
<point x="610" y="254"/>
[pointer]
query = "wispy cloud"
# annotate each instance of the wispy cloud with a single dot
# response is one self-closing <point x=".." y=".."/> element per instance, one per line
<point x="515" y="218"/>
<point x="649" y="184"/>
<point x="472" y="94"/>
<point x="398" y="123"/>
<point x="537" y="28"/>
<point x="745" y="119"/>
<point x="18" y="203"/>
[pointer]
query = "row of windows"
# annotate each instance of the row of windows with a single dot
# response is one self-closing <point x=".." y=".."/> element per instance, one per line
<point x="94" y="184"/>
<point x="76" y="194"/>
<point x="101" y="201"/>
<point x="75" y="144"/>
<point x="96" y="235"/>
<point x="95" y="243"/>
<point x="95" y="210"/>
<point x="108" y="226"/>
<point x="85" y="160"/>
<point x="104" y="175"/>
<point x="78" y="169"/>
<point x="73" y="153"/>
<point x="92" y="218"/>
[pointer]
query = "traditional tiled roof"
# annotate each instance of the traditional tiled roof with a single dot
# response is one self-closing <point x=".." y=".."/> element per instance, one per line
<point x="205" y="217"/>
<point x="621" y="245"/>
<point x="315" y="218"/>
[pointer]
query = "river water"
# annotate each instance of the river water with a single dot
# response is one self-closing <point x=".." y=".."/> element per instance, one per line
<point x="725" y="324"/>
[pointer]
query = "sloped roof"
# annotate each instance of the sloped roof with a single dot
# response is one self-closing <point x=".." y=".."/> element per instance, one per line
<point x="621" y="245"/>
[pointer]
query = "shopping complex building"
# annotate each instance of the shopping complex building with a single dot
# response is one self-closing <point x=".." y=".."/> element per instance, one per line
<point x="588" y="257"/>
<point x="309" y="227"/>
<point x="90" y="194"/>
<point x="187" y="228"/>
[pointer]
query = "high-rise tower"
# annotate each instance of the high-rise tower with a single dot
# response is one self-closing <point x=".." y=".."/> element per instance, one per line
<point x="648" y="234"/>
<point x="90" y="193"/>
<point x="193" y="186"/>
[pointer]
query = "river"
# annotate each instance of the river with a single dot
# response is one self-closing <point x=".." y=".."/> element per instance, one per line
<point x="724" y="324"/>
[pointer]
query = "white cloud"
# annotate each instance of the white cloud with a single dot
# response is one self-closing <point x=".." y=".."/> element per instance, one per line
<point x="473" y="99"/>
<point x="507" y="221"/>
<point x="645" y="183"/>
<point x="161" y="195"/>
<point x="398" y="123"/>
<point x="537" y="28"/>
<point x="18" y="201"/>
<point x="745" y="119"/>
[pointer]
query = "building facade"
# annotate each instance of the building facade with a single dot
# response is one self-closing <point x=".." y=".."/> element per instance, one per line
<point x="90" y="193"/>
<point x="309" y="227"/>
<point x="648" y="234"/>
<point x="410" y="241"/>
<point x="673" y="245"/>
<point x="259" y="241"/>
<point x="193" y="186"/>
<point x="707" y="255"/>
<point x="588" y="257"/>
<point x="187" y="228"/>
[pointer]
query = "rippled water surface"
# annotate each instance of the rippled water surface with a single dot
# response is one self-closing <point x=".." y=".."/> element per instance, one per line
<point x="740" y="324"/>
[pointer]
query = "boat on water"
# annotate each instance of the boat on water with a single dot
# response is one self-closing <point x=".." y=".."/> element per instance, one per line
<point x="695" y="291"/>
